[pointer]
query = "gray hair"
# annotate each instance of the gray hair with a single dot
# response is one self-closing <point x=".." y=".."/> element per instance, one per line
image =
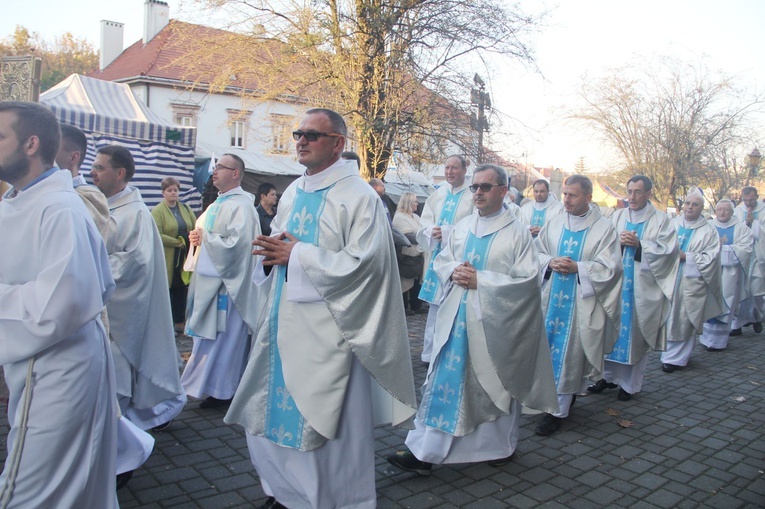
<point x="499" y="171"/>
<point x="584" y="182"/>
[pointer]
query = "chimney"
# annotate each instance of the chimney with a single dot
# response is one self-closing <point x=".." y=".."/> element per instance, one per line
<point x="156" y="16"/>
<point x="111" y="42"/>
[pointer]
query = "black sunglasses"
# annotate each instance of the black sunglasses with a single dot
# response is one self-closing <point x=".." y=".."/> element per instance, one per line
<point x="311" y="135"/>
<point x="485" y="187"/>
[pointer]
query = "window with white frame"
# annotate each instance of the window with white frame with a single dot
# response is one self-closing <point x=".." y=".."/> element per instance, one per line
<point x="237" y="125"/>
<point x="281" y="133"/>
<point x="185" y="114"/>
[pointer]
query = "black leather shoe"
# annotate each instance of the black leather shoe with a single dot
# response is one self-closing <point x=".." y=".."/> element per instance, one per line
<point x="271" y="503"/>
<point x="407" y="461"/>
<point x="757" y="327"/>
<point x="211" y="402"/>
<point x="623" y="395"/>
<point x="123" y="478"/>
<point x="162" y="427"/>
<point x="669" y="368"/>
<point x="600" y="386"/>
<point x="549" y="425"/>
<point x="713" y="349"/>
<point x="737" y="332"/>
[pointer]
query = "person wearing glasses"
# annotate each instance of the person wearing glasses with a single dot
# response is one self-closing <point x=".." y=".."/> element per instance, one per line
<point x="649" y="256"/>
<point x="223" y="303"/>
<point x="698" y="294"/>
<point x="333" y="333"/>
<point x="443" y="209"/>
<point x="146" y="359"/>
<point x="480" y="375"/>
<point x="580" y="261"/>
<point x="535" y="213"/>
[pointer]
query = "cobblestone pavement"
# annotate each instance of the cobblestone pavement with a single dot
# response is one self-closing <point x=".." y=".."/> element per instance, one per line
<point x="693" y="438"/>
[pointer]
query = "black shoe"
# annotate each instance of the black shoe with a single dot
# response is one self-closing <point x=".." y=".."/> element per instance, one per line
<point x="600" y="386"/>
<point x="757" y="327"/>
<point x="713" y="349"/>
<point x="271" y="503"/>
<point x="211" y="402"/>
<point x="123" y="478"/>
<point x="737" y="332"/>
<point x="500" y="461"/>
<point x="162" y="427"/>
<point x="405" y="460"/>
<point x="549" y="425"/>
<point x="623" y="395"/>
<point x="669" y="368"/>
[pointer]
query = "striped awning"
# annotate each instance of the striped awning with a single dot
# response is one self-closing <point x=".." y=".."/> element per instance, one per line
<point x="110" y="108"/>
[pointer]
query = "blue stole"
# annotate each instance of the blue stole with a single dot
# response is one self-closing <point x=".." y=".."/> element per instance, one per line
<point x="621" y="351"/>
<point x="430" y="283"/>
<point x="683" y="239"/>
<point x="284" y="422"/>
<point x="538" y="217"/>
<point x="442" y="408"/>
<point x="726" y="234"/>
<point x="560" y="308"/>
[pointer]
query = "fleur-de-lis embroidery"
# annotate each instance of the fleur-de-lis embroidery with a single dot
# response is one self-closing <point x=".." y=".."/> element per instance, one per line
<point x="439" y="422"/>
<point x="625" y="329"/>
<point x="569" y="244"/>
<point x="429" y="285"/>
<point x="303" y="218"/>
<point x="555" y="352"/>
<point x="284" y="404"/>
<point x="628" y="283"/>
<point x="281" y="436"/>
<point x="460" y="328"/>
<point x="473" y="257"/>
<point x="446" y="391"/>
<point x="451" y="358"/>
<point x="449" y="206"/>
<point x="681" y="239"/>
<point x="628" y="262"/>
<point x="556" y="326"/>
<point x="560" y="297"/>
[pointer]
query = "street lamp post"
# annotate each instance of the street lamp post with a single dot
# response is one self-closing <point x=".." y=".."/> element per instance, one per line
<point x="480" y="99"/>
<point x="755" y="158"/>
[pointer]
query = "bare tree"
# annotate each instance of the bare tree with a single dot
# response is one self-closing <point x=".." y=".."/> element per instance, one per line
<point x="677" y="122"/>
<point x="398" y="70"/>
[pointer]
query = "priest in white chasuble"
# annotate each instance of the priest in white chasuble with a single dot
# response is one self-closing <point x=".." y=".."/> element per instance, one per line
<point x="443" y="209"/>
<point x="698" y="289"/>
<point x="490" y="349"/>
<point x="649" y="255"/>
<point x="581" y="268"/>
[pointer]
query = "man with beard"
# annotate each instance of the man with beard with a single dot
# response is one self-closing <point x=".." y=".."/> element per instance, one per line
<point x="443" y="209"/>
<point x="54" y="282"/>
<point x="698" y="290"/>
<point x="649" y="256"/>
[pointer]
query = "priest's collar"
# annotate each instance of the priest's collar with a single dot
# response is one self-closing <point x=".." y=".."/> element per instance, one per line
<point x="112" y="199"/>
<point x="316" y="181"/>
<point x="693" y="224"/>
<point x="576" y="223"/>
<point x="543" y="205"/>
<point x="637" y="216"/>
<point x="459" y="188"/>
<point x="502" y="209"/>
<point x="236" y="190"/>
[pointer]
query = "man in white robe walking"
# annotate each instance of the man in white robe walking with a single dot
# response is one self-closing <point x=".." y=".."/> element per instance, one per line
<point x="490" y="351"/>
<point x="54" y="281"/>
<point x="649" y="256"/>
<point x="751" y="309"/>
<point x="535" y="214"/>
<point x="146" y="360"/>
<point x="581" y="294"/>
<point x="223" y="303"/>
<point x="443" y="209"/>
<point x="698" y="290"/>
<point x="332" y="330"/>
<point x="736" y="251"/>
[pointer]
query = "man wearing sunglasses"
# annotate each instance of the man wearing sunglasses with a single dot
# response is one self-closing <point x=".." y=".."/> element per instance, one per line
<point x="443" y="209"/>
<point x="223" y="303"/>
<point x="334" y="328"/>
<point x="580" y="260"/>
<point x="490" y="354"/>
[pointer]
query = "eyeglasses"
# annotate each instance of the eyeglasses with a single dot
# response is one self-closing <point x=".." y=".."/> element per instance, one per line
<point x="311" y="135"/>
<point x="98" y="167"/>
<point x="221" y="167"/>
<point x="484" y="186"/>
<point x="636" y="192"/>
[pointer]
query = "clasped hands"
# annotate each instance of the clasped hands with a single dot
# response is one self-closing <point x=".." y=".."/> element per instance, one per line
<point x="564" y="265"/>
<point x="276" y="249"/>
<point x="629" y="238"/>
<point x="465" y="276"/>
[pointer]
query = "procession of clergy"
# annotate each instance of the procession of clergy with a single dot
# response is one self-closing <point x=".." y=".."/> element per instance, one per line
<point x="303" y="335"/>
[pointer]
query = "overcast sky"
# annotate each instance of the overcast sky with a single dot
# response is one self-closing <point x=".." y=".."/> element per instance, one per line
<point x="580" y="36"/>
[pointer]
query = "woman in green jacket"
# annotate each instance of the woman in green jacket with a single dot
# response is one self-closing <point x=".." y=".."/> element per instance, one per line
<point x="174" y="221"/>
